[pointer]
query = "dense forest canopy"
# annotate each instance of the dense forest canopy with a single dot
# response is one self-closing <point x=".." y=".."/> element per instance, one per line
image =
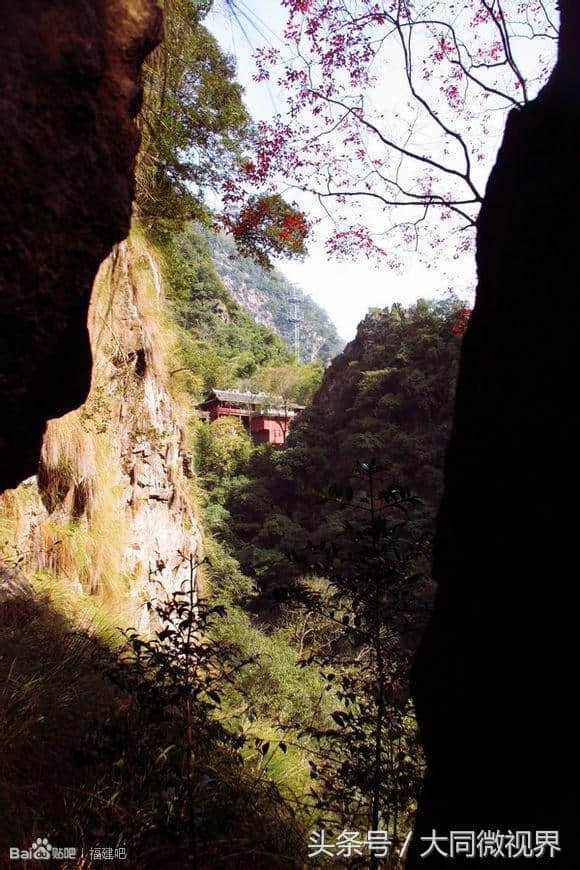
<point x="219" y="344"/>
<point x="389" y="396"/>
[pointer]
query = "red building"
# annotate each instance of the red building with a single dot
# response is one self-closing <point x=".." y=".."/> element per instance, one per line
<point x="267" y="418"/>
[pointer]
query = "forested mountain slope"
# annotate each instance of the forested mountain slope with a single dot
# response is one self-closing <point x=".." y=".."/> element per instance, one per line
<point x="220" y="344"/>
<point x="266" y="295"/>
<point x="388" y="396"/>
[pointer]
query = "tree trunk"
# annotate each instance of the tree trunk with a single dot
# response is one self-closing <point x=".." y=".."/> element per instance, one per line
<point x="495" y="678"/>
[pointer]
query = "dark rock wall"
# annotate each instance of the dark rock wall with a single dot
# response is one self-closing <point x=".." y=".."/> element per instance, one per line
<point x="69" y="90"/>
<point x="496" y="676"/>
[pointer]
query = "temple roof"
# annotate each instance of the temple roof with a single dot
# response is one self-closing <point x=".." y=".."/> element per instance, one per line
<point x="262" y="399"/>
<point x="235" y="396"/>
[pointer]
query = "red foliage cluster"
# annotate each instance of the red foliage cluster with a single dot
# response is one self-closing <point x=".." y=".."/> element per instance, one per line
<point x="460" y="325"/>
<point x="249" y="219"/>
<point x="298" y="5"/>
<point x="294" y="225"/>
<point x="267" y="225"/>
<point x="354" y="241"/>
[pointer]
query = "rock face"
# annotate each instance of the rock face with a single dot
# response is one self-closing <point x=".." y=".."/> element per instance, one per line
<point x="147" y="435"/>
<point x="111" y="514"/>
<point x="69" y="90"/>
<point x="496" y="676"/>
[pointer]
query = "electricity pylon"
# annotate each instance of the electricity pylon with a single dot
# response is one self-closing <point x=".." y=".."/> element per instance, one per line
<point x="296" y="301"/>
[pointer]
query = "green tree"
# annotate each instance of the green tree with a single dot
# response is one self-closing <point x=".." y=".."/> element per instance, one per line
<point x="196" y="142"/>
<point x="223" y="447"/>
<point x="194" y="123"/>
<point x="368" y="769"/>
<point x="292" y="383"/>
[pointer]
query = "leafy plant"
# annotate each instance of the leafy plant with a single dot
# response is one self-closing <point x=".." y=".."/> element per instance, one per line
<point x="196" y="138"/>
<point x="368" y="765"/>
<point x="179" y="672"/>
<point x="222" y="448"/>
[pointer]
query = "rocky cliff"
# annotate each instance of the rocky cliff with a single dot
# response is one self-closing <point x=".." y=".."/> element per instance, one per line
<point x="494" y="680"/>
<point x="110" y="513"/>
<point x="69" y="90"/>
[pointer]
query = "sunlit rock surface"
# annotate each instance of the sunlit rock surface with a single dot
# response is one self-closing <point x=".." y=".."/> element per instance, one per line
<point x="112" y="513"/>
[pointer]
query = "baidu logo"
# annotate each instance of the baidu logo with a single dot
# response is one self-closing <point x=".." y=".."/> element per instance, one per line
<point x="39" y="851"/>
<point x="42" y="850"/>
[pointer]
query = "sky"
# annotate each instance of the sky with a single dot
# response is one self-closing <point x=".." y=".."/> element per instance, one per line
<point x="345" y="289"/>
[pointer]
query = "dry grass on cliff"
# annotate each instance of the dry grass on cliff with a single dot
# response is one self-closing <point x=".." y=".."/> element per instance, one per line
<point x="132" y="326"/>
<point x="153" y="275"/>
<point x="13" y="526"/>
<point x="68" y="465"/>
<point x="85" y="536"/>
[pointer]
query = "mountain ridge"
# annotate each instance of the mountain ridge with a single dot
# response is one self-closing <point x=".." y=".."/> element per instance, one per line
<point x="266" y="296"/>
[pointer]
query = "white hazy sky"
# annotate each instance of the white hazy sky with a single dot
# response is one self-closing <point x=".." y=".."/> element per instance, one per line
<point x="345" y="289"/>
